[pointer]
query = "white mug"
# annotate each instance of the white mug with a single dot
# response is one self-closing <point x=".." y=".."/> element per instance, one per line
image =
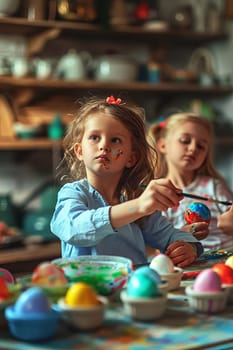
<point x="19" y="67"/>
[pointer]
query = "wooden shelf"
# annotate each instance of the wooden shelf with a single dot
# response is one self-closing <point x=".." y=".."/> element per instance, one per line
<point x="22" y="26"/>
<point x="29" y="144"/>
<point x="162" y="88"/>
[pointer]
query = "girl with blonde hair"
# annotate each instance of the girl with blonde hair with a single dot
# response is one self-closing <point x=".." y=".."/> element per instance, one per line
<point x="185" y="143"/>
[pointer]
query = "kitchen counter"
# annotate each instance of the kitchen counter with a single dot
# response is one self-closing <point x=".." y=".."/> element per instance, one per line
<point x="23" y="259"/>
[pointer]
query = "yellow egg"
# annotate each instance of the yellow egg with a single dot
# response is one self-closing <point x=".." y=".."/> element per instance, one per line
<point x="229" y="261"/>
<point x="81" y="294"/>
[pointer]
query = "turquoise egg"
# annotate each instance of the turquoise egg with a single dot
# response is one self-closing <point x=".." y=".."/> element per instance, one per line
<point x="141" y="285"/>
<point x="150" y="273"/>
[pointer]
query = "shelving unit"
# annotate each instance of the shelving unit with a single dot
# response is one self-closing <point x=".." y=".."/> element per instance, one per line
<point x="44" y="30"/>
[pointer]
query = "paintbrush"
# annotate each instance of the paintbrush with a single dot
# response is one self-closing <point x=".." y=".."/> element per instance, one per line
<point x="208" y="199"/>
<point x="189" y="195"/>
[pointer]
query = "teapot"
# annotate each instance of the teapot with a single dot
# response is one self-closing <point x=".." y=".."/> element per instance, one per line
<point x="73" y="65"/>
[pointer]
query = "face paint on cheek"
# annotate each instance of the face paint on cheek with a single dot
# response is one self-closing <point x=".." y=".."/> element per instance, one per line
<point x="118" y="153"/>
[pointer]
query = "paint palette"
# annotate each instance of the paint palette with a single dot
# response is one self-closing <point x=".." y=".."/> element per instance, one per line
<point x="106" y="274"/>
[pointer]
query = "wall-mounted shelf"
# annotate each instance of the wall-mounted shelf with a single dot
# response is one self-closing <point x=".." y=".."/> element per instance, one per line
<point x="162" y="88"/>
<point x="29" y="144"/>
<point x="22" y="26"/>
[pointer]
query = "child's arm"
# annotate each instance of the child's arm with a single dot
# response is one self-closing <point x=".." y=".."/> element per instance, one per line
<point x="225" y="221"/>
<point x="159" y="195"/>
<point x="182" y="253"/>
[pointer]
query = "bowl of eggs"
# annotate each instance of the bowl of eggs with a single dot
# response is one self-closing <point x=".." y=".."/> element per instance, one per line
<point x="106" y="274"/>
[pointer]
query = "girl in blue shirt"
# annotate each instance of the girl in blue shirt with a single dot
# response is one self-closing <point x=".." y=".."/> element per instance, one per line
<point x="105" y="208"/>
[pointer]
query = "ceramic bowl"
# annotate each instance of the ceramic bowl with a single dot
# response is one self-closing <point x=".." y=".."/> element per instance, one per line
<point x="163" y="287"/>
<point x="81" y="317"/>
<point x="31" y="317"/>
<point x="26" y="131"/>
<point x="144" y="309"/>
<point x="106" y="274"/>
<point x="207" y="302"/>
<point x="229" y="288"/>
<point x="32" y="327"/>
<point x="173" y="278"/>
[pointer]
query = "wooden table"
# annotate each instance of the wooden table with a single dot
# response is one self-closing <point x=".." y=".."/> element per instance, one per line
<point x="23" y="260"/>
<point x="178" y="329"/>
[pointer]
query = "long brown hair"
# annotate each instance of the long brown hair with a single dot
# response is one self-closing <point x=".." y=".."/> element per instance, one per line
<point x="133" y="118"/>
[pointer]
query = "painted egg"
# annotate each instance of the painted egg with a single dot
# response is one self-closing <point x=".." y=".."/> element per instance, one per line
<point x="229" y="261"/>
<point x="4" y="291"/>
<point x="48" y="274"/>
<point x="225" y="272"/>
<point x="7" y="275"/>
<point x="207" y="281"/>
<point x="161" y="263"/>
<point x="32" y="301"/>
<point x="147" y="271"/>
<point x="197" y="212"/>
<point x="141" y="285"/>
<point x="81" y="294"/>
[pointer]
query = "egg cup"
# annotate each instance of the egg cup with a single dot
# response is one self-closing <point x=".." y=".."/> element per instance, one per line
<point x="229" y="288"/>
<point x="173" y="278"/>
<point x="144" y="309"/>
<point x="207" y="302"/>
<point x="163" y="287"/>
<point x="33" y="327"/>
<point x="81" y="317"/>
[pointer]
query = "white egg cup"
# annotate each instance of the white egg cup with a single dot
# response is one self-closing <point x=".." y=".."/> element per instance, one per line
<point x="144" y="309"/>
<point x="82" y="317"/>
<point x="173" y="278"/>
<point x="207" y="302"/>
<point x="229" y="288"/>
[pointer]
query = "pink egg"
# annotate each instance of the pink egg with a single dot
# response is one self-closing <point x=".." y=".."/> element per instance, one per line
<point x="207" y="281"/>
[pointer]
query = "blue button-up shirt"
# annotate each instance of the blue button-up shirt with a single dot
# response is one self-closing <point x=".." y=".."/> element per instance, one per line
<point x="82" y="222"/>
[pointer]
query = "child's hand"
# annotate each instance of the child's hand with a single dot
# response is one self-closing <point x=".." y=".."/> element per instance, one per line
<point x="160" y="195"/>
<point x="225" y="221"/>
<point x="182" y="253"/>
<point x="199" y="230"/>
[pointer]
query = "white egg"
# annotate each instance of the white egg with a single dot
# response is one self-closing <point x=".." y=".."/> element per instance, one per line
<point x="161" y="263"/>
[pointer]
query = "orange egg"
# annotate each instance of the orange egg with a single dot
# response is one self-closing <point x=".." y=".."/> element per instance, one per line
<point x="225" y="272"/>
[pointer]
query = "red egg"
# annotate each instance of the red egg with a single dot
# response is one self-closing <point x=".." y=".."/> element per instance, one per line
<point x="4" y="291"/>
<point x="225" y="272"/>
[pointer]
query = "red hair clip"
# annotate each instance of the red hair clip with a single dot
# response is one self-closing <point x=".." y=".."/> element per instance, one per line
<point x="111" y="99"/>
<point x="162" y="123"/>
